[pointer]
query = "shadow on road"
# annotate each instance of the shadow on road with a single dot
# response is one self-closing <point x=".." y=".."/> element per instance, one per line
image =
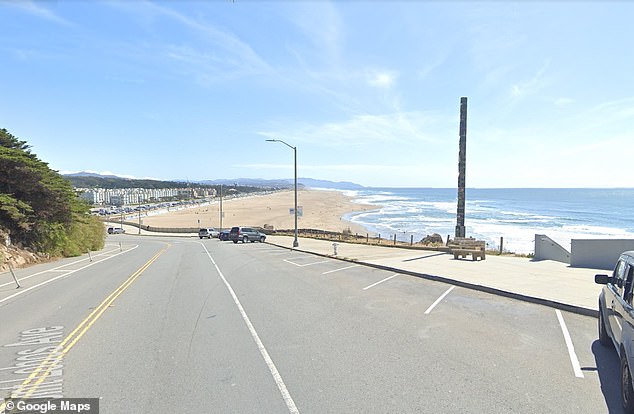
<point x="424" y="257"/>
<point x="609" y="367"/>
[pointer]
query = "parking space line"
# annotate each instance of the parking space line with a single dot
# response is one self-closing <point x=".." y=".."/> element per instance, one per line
<point x="380" y="281"/>
<point x="343" y="268"/>
<point x="571" y="349"/>
<point x="281" y="386"/>
<point x="307" y="264"/>
<point x="433" y="305"/>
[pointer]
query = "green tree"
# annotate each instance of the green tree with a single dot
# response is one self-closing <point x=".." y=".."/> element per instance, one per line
<point x="39" y="207"/>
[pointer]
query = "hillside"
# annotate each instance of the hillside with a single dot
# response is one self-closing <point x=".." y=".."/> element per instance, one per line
<point x="90" y="180"/>
<point x="112" y="182"/>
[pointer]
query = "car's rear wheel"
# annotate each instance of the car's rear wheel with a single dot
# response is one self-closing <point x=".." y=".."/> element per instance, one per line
<point x="245" y="239"/>
<point x="604" y="339"/>
<point x="627" y="393"/>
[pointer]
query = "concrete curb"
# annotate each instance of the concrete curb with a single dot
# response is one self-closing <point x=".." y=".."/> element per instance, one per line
<point x="580" y="310"/>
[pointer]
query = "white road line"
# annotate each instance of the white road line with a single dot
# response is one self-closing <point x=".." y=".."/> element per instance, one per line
<point x="343" y="268"/>
<point x="571" y="349"/>
<point x="22" y="290"/>
<point x="433" y="305"/>
<point x="56" y="269"/>
<point x="290" y="404"/>
<point x="380" y="281"/>
<point x="307" y="264"/>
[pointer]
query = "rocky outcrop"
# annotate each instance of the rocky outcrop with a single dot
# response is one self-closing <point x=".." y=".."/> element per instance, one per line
<point x="15" y="255"/>
<point x="432" y="239"/>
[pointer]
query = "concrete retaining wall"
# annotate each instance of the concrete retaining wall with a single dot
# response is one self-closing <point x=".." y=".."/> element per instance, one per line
<point x="598" y="253"/>
<point x="548" y="249"/>
<point x="163" y="229"/>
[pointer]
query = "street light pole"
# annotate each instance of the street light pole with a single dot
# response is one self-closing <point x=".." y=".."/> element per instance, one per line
<point x="295" y="242"/>
<point x="221" y="207"/>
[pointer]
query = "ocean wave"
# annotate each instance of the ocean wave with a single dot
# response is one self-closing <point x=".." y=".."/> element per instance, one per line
<point x="379" y="199"/>
<point x="515" y="215"/>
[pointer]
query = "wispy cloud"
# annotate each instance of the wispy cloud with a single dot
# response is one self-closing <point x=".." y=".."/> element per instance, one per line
<point x="564" y="101"/>
<point x="323" y="33"/>
<point x="617" y="109"/>
<point x="222" y="54"/>
<point x="532" y="85"/>
<point x="339" y="168"/>
<point x="363" y="129"/>
<point x="432" y="65"/>
<point x="381" y="79"/>
<point x="38" y="11"/>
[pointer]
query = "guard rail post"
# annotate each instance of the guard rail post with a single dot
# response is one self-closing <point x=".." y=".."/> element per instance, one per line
<point x="14" y="278"/>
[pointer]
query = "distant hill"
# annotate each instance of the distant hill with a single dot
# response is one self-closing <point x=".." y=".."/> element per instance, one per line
<point x="252" y="182"/>
<point x="86" y="179"/>
<point x="111" y="182"/>
<point x="90" y="174"/>
<point x="337" y="185"/>
<point x="286" y="183"/>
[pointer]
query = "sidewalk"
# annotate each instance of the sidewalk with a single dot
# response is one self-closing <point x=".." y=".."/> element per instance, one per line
<point x="546" y="282"/>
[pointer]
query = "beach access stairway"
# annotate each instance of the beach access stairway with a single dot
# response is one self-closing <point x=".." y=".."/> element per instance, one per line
<point x="460" y="247"/>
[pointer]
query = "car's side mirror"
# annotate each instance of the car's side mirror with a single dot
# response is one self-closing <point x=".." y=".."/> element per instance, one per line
<point x="602" y="279"/>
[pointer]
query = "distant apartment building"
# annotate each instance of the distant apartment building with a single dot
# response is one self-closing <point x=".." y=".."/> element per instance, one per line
<point x="130" y="196"/>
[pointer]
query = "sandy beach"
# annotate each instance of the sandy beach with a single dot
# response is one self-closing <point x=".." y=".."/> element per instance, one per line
<point x="322" y="209"/>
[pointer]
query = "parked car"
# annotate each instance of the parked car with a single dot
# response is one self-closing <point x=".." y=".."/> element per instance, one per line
<point x="224" y="235"/>
<point x="115" y="230"/>
<point x="246" y="234"/>
<point x="208" y="232"/>
<point x="616" y="321"/>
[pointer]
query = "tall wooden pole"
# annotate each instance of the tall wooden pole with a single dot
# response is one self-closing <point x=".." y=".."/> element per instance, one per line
<point x="462" y="168"/>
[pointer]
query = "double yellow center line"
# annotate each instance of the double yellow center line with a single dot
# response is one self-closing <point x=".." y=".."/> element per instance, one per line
<point x="44" y="369"/>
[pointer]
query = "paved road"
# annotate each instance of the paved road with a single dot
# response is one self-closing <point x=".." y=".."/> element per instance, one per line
<point x="184" y="325"/>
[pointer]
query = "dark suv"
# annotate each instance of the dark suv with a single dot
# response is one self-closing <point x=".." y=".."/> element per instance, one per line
<point x="246" y="234"/>
<point x="616" y="320"/>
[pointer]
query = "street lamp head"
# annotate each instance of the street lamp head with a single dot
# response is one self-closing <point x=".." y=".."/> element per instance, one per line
<point x="283" y="142"/>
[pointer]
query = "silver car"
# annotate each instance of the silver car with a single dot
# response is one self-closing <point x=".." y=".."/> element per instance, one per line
<point x="208" y="232"/>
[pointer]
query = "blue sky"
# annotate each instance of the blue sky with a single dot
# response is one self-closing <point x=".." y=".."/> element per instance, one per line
<point x="369" y="92"/>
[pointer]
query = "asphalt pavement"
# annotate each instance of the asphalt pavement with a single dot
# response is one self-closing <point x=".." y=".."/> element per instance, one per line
<point x="547" y="282"/>
<point x="166" y="324"/>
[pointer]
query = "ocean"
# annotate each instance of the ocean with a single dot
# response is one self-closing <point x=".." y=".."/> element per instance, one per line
<point x="514" y="214"/>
